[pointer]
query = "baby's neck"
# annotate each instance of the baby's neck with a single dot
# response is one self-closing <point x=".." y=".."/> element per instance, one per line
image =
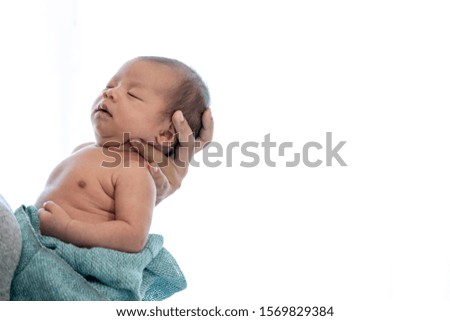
<point x="116" y="146"/>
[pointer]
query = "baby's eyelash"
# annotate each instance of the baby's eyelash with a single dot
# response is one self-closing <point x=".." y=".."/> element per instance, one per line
<point x="134" y="96"/>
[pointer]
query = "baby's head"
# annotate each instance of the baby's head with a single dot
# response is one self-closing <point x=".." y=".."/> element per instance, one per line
<point x="140" y="99"/>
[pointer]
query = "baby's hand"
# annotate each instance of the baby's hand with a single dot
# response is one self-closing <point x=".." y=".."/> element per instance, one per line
<point x="53" y="220"/>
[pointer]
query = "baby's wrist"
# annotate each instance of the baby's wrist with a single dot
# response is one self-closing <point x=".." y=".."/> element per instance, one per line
<point x="65" y="236"/>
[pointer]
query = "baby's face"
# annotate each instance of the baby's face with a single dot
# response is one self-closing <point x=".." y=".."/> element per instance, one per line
<point x="132" y="104"/>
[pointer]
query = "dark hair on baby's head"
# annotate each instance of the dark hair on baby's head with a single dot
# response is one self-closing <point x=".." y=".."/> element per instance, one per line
<point x="190" y="94"/>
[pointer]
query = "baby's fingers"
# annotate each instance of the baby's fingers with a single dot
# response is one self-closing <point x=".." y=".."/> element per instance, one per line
<point x="45" y="219"/>
<point x="43" y="213"/>
<point x="51" y="206"/>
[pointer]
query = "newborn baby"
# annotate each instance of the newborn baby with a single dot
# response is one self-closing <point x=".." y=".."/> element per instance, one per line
<point x="102" y="195"/>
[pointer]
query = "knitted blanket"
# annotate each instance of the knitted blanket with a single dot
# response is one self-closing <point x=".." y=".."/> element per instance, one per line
<point x="50" y="269"/>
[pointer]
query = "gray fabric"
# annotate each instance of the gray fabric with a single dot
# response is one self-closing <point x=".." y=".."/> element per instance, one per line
<point x="10" y="248"/>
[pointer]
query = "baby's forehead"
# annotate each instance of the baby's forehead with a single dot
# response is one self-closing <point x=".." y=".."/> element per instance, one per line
<point x="148" y="74"/>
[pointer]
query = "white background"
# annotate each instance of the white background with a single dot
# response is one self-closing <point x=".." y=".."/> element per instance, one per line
<point x="370" y="239"/>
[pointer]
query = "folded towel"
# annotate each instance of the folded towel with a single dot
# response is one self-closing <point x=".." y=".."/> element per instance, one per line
<point x="50" y="269"/>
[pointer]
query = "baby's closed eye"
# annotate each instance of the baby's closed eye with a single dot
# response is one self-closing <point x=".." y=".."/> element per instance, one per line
<point x="134" y="95"/>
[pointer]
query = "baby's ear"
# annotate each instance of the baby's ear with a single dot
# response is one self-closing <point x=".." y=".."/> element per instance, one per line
<point x="167" y="137"/>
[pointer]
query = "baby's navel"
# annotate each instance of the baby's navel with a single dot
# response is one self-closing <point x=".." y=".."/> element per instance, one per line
<point x="82" y="184"/>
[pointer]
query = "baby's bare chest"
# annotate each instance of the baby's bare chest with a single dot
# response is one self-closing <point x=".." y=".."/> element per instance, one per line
<point x="86" y="171"/>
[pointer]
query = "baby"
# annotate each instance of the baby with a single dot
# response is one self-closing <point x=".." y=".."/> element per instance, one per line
<point x="88" y="202"/>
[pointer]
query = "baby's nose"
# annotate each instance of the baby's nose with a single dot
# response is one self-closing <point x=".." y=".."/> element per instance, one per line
<point x="109" y="93"/>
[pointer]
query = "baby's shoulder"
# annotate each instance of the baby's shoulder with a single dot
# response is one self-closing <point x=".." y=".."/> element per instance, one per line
<point x="82" y="146"/>
<point x="120" y="160"/>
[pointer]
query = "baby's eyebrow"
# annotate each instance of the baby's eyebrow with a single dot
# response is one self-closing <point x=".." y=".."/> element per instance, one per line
<point x="136" y="84"/>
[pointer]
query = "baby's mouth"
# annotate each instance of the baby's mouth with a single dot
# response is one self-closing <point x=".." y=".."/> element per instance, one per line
<point x="103" y="109"/>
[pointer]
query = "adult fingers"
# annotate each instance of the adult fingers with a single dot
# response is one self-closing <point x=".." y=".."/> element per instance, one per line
<point x="160" y="179"/>
<point x="185" y="150"/>
<point x="165" y="164"/>
<point x="207" y="131"/>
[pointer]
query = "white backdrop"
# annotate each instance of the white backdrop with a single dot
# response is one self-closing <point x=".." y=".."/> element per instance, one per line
<point x="371" y="239"/>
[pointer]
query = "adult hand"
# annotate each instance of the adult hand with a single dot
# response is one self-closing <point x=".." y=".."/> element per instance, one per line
<point x="169" y="171"/>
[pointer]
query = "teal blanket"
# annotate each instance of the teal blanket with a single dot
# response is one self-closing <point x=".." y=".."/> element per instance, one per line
<point x="50" y="269"/>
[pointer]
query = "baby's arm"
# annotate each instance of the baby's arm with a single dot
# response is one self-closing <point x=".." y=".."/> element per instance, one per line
<point x="135" y="195"/>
